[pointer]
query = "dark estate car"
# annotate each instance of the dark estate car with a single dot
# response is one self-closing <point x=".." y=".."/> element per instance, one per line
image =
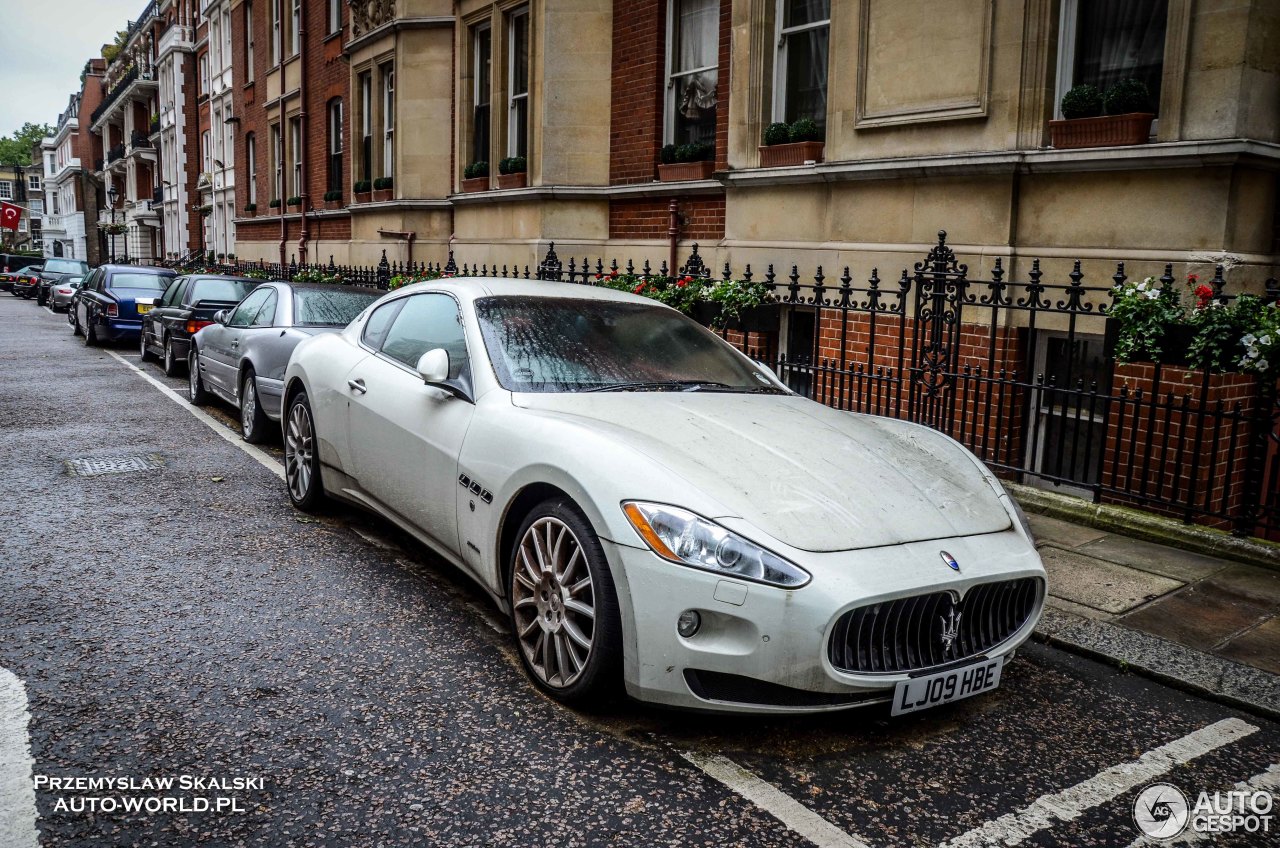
<point x="113" y="298"/>
<point x="54" y="272"/>
<point x="11" y="264"/>
<point x="242" y="356"/>
<point x="23" y="283"/>
<point x="187" y="306"/>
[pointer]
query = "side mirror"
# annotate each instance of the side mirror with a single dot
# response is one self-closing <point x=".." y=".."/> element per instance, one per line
<point x="220" y="317"/>
<point x="433" y="367"/>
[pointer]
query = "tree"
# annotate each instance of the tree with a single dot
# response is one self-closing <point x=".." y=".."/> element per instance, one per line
<point x="16" y="149"/>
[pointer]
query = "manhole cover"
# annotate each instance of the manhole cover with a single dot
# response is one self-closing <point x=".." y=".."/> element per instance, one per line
<point x="94" y="466"/>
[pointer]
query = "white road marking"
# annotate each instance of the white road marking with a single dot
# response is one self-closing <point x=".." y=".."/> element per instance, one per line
<point x="263" y="458"/>
<point x="1047" y="810"/>
<point x="774" y="801"/>
<point x="1267" y="781"/>
<point x="17" y="789"/>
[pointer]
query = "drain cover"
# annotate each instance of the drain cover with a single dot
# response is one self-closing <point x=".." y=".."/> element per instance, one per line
<point x="94" y="466"/>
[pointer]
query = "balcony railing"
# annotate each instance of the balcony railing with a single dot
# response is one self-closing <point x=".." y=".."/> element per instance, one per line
<point x="139" y="139"/>
<point x="115" y="153"/>
<point x="114" y="95"/>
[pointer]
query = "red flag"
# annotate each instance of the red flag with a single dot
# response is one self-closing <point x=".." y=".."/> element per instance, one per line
<point x="10" y="215"/>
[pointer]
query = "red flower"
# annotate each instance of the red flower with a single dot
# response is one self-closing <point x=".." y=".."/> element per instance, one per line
<point x="1192" y="279"/>
<point x="639" y="288"/>
<point x="682" y="282"/>
<point x="1204" y="292"/>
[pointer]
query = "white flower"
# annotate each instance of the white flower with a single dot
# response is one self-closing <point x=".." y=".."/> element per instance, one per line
<point x="1264" y="339"/>
<point x="1153" y="295"/>
<point x="1261" y="365"/>
<point x="1142" y="286"/>
<point x="1248" y="339"/>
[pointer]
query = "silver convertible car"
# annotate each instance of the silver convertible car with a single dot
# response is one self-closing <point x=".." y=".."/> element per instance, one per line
<point x="656" y="511"/>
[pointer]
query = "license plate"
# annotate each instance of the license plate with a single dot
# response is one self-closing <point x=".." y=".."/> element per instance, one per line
<point x="144" y="308"/>
<point x="920" y="693"/>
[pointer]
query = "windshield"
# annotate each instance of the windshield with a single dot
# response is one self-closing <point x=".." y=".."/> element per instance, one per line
<point x="65" y="266"/>
<point x="141" y="282"/>
<point x="550" y="344"/>
<point x="335" y="307"/>
<point x="223" y="291"/>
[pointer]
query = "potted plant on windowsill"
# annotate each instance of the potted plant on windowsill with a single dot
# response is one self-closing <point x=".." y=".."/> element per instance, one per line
<point x="250" y="209"/>
<point x="294" y="202"/>
<point x="273" y="203"/>
<point x="475" y="177"/>
<point x="1127" y="120"/>
<point x="513" y="172"/>
<point x="362" y="189"/>
<point x="797" y="143"/>
<point x="686" y="162"/>
<point x="382" y="189"/>
<point x="333" y="199"/>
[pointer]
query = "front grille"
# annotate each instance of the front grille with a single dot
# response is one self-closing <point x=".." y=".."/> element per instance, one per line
<point x="736" y="689"/>
<point x="908" y="634"/>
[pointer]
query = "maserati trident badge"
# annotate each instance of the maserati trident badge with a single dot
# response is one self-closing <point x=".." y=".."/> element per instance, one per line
<point x="950" y="561"/>
<point x="950" y="629"/>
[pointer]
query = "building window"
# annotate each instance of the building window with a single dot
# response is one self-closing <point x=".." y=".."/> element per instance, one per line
<point x="692" y="71"/>
<point x="803" y="35"/>
<point x="37" y="206"/>
<point x="388" y="119"/>
<point x="366" y="126"/>
<point x="248" y="42"/>
<point x="6" y="190"/>
<point x="277" y="43"/>
<point x="205" y="154"/>
<point x="33" y="182"/>
<point x="226" y="40"/>
<point x="295" y="155"/>
<point x="1105" y="41"/>
<point x="482" y="51"/>
<point x="518" y="85"/>
<point x="204" y="74"/>
<point x="334" y="16"/>
<point x="277" y="163"/>
<point x="295" y="27"/>
<point x="335" y="144"/>
<point x="251" y="161"/>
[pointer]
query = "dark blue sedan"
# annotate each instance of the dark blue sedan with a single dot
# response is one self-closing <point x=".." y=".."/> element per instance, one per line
<point x="110" y="304"/>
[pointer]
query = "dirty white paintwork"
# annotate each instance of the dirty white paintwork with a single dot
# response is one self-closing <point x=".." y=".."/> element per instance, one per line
<point x="17" y="791"/>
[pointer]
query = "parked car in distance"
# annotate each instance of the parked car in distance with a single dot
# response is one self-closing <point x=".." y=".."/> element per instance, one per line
<point x="648" y="504"/>
<point x="112" y="299"/>
<point x="187" y="307"/>
<point x="54" y="271"/>
<point x="25" y="282"/>
<point x="11" y="264"/>
<point x="241" y="357"/>
<point x="62" y="292"/>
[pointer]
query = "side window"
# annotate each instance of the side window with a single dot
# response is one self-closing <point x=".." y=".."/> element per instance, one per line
<point x="173" y="294"/>
<point x="267" y="314"/>
<point x="248" y="309"/>
<point x="426" y="322"/>
<point x="375" y="329"/>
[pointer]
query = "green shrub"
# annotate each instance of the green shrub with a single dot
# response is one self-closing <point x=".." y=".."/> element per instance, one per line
<point x="1129" y="95"/>
<point x="694" y="152"/>
<point x="1082" y="101"/>
<point x="476" y="169"/>
<point x="667" y="155"/>
<point x="274" y="203"/>
<point x="513" y="165"/>
<point x="294" y="201"/>
<point x="805" y="129"/>
<point x="332" y="195"/>
<point x="777" y="133"/>
<point x="362" y="186"/>
<point x="251" y="207"/>
<point x="382" y="183"/>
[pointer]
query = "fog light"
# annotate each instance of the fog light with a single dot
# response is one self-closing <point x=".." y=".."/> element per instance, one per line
<point x="688" y="623"/>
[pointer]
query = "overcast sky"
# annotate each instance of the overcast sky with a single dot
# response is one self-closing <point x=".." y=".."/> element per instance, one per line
<point x="45" y="47"/>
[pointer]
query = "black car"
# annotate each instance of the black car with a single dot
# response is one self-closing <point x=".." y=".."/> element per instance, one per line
<point x="23" y="283"/>
<point x="109" y="305"/>
<point x="11" y="264"/>
<point x="55" y="271"/>
<point x="187" y="305"/>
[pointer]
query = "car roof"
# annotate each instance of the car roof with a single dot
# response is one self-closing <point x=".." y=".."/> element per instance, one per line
<point x="471" y="288"/>
<point x="330" y="287"/>
<point x="220" y="277"/>
<point x="144" y="269"/>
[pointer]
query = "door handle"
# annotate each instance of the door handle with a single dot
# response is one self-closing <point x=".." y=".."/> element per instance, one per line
<point x="357" y="386"/>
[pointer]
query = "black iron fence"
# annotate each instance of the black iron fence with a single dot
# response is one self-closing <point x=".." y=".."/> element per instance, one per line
<point x="1020" y="372"/>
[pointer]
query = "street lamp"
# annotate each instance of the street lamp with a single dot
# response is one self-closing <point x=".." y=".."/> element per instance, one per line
<point x="112" y="194"/>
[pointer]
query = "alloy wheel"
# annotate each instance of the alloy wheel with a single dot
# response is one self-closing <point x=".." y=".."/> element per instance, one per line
<point x="248" y="408"/>
<point x="553" y="600"/>
<point x="299" y="448"/>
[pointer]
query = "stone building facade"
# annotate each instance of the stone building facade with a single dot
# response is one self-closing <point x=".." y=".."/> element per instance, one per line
<point x="70" y="194"/>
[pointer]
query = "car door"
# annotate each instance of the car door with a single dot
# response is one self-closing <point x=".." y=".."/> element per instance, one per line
<point x="406" y="436"/>
<point x="89" y="296"/>
<point x="162" y="314"/>
<point x="220" y="341"/>
<point x="252" y="336"/>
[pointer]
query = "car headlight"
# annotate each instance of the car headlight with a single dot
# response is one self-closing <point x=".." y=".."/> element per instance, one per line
<point x="681" y="536"/>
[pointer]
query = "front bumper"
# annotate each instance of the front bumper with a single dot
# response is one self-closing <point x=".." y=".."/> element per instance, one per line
<point x="763" y="649"/>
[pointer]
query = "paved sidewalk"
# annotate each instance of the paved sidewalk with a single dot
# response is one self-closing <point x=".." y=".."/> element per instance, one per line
<point x="1207" y="623"/>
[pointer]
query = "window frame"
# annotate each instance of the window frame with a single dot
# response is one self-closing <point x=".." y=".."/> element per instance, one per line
<point x="277" y="35"/>
<point x="251" y="165"/>
<point x="669" y="97"/>
<point x="364" y="82"/>
<point x="513" y="142"/>
<point x="6" y="190"/>
<point x="479" y="90"/>
<point x="277" y="163"/>
<point x="248" y="41"/>
<point x="333" y="15"/>
<point x="782" y="35"/>
<point x="1068" y="21"/>
<point x="335" y="146"/>
<point x="388" y="87"/>
<point x="295" y="156"/>
<point x="295" y="28"/>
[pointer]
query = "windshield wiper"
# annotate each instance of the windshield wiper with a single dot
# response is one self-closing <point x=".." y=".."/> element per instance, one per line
<point x="663" y="386"/>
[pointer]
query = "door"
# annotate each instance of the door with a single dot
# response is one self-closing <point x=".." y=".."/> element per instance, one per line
<point x="410" y="434"/>
<point x="163" y="314"/>
<point x="221" y="341"/>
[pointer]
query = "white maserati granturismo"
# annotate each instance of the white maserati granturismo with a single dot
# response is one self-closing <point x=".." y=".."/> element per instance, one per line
<point x="653" y="510"/>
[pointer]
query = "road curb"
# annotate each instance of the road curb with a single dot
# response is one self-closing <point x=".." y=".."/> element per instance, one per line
<point x="1147" y="526"/>
<point x="1168" y="662"/>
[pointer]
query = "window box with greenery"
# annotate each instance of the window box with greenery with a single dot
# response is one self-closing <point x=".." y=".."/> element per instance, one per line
<point x="797" y="143"/>
<point x="382" y="189"/>
<point x="475" y="177"/>
<point x="294" y="202"/>
<point x="1127" y="118"/>
<point x="333" y="199"/>
<point x="274" y="203"/>
<point x="686" y="162"/>
<point x="250" y="209"/>
<point x="362" y="189"/>
<point x="513" y="172"/>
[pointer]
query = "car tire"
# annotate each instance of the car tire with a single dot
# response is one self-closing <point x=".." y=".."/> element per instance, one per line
<point x="559" y="587"/>
<point x="196" y="392"/>
<point x="301" y="457"/>
<point x="90" y="332"/>
<point x="143" y="353"/>
<point x="253" y="421"/>
<point x="172" y="365"/>
<point x="75" y="322"/>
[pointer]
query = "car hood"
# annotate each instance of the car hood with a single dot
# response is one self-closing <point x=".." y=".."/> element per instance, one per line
<point x="814" y="478"/>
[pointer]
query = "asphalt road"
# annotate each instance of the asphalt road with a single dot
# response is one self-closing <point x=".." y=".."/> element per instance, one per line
<point x="185" y="620"/>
